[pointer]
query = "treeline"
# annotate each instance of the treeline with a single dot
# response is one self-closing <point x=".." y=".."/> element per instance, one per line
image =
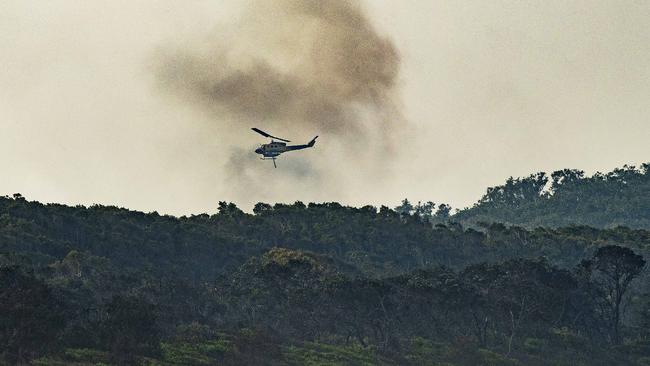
<point x="568" y="197"/>
<point x="314" y="284"/>
<point x="377" y="241"/>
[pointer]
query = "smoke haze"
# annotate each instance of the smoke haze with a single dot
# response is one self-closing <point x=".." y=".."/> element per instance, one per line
<point x="149" y="104"/>
<point x="292" y="64"/>
<point x="294" y="68"/>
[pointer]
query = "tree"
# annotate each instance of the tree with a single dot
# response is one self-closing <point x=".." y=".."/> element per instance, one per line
<point x="612" y="270"/>
<point x="406" y="208"/>
<point x="425" y="210"/>
<point x="261" y="208"/>
<point x="516" y="299"/>
<point x="130" y="329"/>
<point x="229" y="209"/>
<point x="443" y="211"/>
<point x="644" y="315"/>
<point x="30" y="317"/>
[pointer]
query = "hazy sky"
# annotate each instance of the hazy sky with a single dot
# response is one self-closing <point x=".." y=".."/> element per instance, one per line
<point x="484" y="90"/>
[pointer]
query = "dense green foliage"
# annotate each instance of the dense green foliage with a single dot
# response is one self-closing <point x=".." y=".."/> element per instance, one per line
<point x="568" y="197"/>
<point x="317" y="284"/>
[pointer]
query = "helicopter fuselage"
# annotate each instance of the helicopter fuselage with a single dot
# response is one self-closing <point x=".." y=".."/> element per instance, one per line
<point x="272" y="149"/>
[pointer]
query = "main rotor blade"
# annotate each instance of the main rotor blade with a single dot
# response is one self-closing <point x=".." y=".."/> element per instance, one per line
<point x="267" y="135"/>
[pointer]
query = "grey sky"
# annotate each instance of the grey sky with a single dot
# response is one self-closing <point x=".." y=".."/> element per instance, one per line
<point x="487" y="90"/>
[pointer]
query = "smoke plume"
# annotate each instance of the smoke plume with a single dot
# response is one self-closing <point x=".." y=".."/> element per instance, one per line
<point x="294" y="67"/>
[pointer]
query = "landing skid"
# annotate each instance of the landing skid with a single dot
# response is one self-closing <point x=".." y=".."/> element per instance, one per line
<point x="270" y="159"/>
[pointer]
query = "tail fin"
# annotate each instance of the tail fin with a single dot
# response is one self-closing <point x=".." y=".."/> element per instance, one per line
<point x="312" y="142"/>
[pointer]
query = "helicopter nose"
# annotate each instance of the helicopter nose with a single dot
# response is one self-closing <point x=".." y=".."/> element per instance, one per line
<point x="258" y="150"/>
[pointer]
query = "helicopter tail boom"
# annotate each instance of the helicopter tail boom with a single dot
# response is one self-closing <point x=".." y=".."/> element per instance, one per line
<point x="299" y="147"/>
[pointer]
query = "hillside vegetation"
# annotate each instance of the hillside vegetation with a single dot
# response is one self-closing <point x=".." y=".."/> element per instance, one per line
<point x="568" y="197"/>
<point x="316" y="284"/>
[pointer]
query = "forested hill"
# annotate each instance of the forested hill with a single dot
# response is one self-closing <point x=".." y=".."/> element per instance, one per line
<point x="378" y="242"/>
<point x="568" y="197"/>
<point x="317" y="284"/>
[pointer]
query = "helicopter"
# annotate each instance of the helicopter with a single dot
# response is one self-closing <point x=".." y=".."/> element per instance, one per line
<point x="273" y="149"/>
